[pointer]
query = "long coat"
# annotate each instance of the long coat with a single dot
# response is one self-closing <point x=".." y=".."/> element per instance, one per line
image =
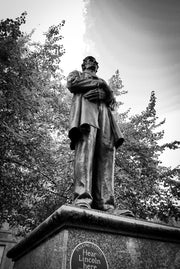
<point x="84" y="113"/>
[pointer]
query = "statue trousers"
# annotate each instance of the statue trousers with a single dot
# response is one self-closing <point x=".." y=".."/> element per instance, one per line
<point x="94" y="165"/>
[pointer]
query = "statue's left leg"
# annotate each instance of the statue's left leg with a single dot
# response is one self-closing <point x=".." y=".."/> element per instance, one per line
<point x="103" y="179"/>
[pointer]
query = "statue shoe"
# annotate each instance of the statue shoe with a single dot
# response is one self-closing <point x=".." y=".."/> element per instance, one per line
<point x="82" y="205"/>
<point x="120" y="212"/>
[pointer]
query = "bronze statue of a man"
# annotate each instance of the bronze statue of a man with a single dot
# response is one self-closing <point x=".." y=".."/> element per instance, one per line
<point x="94" y="136"/>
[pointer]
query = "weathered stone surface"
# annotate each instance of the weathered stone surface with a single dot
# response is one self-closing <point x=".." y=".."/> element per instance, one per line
<point x="50" y="254"/>
<point x="125" y="242"/>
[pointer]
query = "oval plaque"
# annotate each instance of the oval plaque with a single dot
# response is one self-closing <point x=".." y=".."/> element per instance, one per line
<point x="88" y="255"/>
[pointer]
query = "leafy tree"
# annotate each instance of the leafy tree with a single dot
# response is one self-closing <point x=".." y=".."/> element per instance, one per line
<point x="141" y="182"/>
<point x="34" y="107"/>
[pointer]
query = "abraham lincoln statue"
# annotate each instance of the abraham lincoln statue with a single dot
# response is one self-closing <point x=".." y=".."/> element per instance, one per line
<point x="94" y="136"/>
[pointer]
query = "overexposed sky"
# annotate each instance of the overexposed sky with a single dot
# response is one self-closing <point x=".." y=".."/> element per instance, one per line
<point x="141" y="38"/>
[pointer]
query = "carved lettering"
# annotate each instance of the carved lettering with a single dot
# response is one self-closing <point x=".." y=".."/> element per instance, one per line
<point x="88" y="256"/>
<point x="89" y="266"/>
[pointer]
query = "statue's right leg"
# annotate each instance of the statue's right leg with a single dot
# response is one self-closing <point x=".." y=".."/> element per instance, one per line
<point x="83" y="166"/>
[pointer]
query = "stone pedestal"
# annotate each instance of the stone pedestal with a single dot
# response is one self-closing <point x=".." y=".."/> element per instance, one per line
<point x="76" y="238"/>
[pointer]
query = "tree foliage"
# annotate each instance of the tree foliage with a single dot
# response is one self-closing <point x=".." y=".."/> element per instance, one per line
<point x="142" y="184"/>
<point x="34" y="107"/>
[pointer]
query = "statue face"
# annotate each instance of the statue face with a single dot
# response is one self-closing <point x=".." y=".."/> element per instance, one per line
<point x="90" y="63"/>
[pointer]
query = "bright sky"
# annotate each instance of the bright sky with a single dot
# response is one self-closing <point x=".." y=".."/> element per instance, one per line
<point x="141" y="38"/>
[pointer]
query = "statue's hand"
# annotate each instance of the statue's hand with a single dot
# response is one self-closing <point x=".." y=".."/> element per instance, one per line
<point x="102" y="84"/>
<point x="112" y="104"/>
<point x="95" y="95"/>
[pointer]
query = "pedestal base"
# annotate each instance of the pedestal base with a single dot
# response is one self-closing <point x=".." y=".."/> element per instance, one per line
<point x="76" y="238"/>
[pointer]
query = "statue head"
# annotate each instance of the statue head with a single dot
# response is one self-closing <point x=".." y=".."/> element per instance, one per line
<point x="89" y="63"/>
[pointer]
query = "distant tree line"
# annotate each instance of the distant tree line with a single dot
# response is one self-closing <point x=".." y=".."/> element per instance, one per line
<point x="36" y="163"/>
